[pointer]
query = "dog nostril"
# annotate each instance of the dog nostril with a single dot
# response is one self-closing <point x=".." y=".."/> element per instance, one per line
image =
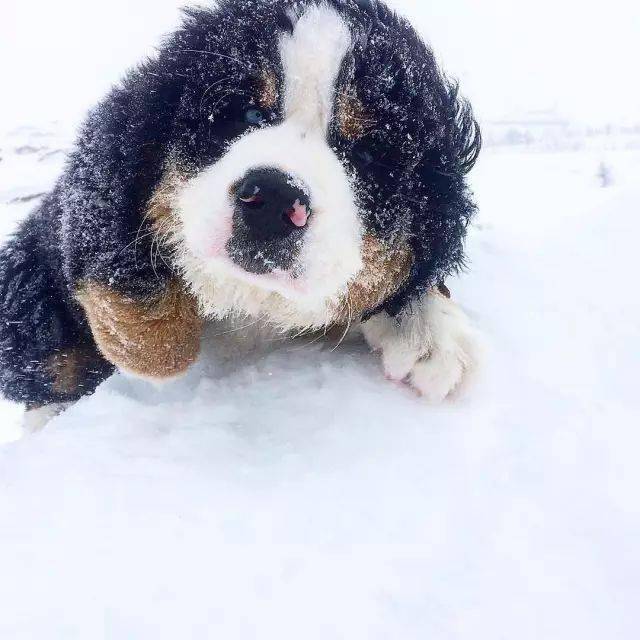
<point x="249" y="195"/>
<point x="253" y="202"/>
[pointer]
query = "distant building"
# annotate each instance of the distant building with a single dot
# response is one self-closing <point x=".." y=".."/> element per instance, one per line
<point x="544" y="128"/>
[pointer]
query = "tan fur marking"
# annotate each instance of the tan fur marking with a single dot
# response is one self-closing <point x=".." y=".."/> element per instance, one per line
<point x="384" y="270"/>
<point x="353" y="119"/>
<point x="161" y="216"/>
<point x="268" y="92"/>
<point x="161" y="204"/>
<point x="68" y="369"/>
<point x="157" y="338"/>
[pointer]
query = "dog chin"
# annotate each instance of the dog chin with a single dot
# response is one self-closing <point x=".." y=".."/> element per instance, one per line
<point x="225" y="290"/>
<point x="278" y="281"/>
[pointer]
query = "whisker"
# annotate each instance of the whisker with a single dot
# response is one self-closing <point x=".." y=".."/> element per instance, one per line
<point x="208" y="89"/>
<point x="215" y="53"/>
<point x="349" y="323"/>
<point x="236" y="329"/>
<point x="137" y="238"/>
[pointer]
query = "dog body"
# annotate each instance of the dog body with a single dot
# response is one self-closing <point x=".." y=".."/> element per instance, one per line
<point x="300" y="164"/>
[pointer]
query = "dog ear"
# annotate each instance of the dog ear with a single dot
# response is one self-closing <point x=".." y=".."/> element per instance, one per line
<point x="464" y="136"/>
<point x="441" y="217"/>
<point x="112" y="172"/>
<point x="122" y="155"/>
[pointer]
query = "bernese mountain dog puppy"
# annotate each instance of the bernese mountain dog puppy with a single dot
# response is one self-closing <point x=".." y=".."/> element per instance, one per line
<point x="298" y="162"/>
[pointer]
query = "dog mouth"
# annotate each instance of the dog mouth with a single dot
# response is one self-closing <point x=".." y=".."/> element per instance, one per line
<point x="289" y="283"/>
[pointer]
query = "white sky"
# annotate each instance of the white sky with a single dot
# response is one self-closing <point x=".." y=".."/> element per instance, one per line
<point x="57" y="58"/>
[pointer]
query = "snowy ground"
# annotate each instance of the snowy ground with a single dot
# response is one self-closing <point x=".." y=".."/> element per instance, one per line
<point x="296" y="494"/>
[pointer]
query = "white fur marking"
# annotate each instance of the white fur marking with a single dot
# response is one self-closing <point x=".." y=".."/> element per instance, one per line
<point x="434" y="347"/>
<point x="311" y="58"/>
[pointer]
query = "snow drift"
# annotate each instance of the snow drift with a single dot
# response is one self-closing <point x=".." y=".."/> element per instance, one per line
<point x="293" y="492"/>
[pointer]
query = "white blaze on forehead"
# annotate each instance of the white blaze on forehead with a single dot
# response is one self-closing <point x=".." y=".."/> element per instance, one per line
<point x="311" y="58"/>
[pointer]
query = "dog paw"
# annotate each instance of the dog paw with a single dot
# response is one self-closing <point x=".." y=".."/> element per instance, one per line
<point x="35" y="420"/>
<point x="433" y="348"/>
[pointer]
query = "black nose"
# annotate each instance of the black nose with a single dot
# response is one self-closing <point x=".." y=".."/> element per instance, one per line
<point x="271" y="203"/>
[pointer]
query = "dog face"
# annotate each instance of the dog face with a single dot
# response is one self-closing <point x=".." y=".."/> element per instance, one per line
<point x="316" y="161"/>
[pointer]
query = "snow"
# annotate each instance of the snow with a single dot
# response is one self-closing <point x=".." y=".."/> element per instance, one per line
<point x="293" y="492"/>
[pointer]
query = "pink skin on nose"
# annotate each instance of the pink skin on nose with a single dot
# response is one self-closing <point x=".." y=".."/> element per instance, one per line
<point x="298" y="214"/>
<point x="219" y="241"/>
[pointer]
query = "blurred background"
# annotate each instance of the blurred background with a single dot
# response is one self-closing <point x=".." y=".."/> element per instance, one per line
<point x="564" y="67"/>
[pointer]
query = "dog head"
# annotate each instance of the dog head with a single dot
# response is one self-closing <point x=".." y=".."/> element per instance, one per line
<point x="317" y="161"/>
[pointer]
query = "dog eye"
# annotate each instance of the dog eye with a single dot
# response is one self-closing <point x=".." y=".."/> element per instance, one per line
<point x="254" y="116"/>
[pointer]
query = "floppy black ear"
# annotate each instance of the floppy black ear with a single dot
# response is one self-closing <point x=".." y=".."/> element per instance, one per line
<point x="119" y="159"/>
<point x="463" y="136"/>
<point x="113" y="170"/>
<point x="442" y="214"/>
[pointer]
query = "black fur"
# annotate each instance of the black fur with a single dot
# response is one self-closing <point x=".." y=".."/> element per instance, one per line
<point x="187" y="104"/>
<point x="38" y="320"/>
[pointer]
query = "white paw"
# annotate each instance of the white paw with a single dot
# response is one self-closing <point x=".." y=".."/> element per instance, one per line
<point x="433" y="348"/>
<point x="36" y="420"/>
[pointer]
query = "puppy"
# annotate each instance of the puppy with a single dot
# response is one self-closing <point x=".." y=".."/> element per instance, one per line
<point x="301" y="163"/>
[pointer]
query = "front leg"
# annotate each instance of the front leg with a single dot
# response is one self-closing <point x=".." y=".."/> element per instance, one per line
<point x="157" y="337"/>
<point x="431" y="345"/>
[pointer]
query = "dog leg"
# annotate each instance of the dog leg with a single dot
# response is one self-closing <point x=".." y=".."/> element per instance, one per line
<point x="37" y="418"/>
<point x="156" y="338"/>
<point x="47" y="355"/>
<point x="432" y="346"/>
